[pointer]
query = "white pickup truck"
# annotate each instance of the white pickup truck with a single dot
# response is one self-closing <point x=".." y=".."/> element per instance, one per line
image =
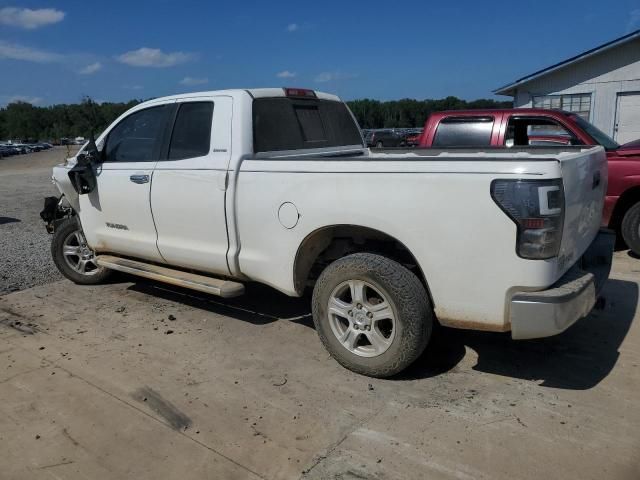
<point x="212" y="190"/>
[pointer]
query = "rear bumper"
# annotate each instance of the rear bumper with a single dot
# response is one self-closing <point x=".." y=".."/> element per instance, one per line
<point x="552" y="311"/>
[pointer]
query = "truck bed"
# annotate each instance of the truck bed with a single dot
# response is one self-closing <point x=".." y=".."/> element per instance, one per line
<point x="450" y="154"/>
<point x="497" y="153"/>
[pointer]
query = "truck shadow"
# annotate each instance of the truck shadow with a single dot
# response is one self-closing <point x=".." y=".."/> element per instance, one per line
<point x="259" y="306"/>
<point x="577" y="359"/>
<point x="5" y="220"/>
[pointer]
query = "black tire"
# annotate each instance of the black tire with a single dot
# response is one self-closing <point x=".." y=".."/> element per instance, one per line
<point x="631" y="228"/>
<point x="379" y="145"/>
<point x="64" y="231"/>
<point x="404" y="293"/>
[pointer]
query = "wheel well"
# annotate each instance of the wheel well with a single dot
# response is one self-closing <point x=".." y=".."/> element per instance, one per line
<point x="325" y="245"/>
<point x="629" y="198"/>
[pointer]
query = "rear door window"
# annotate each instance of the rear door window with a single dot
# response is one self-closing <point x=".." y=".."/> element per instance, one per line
<point x="464" y="132"/>
<point x="282" y="123"/>
<point x="191" y="135"/>
<point x="137" y="137"/>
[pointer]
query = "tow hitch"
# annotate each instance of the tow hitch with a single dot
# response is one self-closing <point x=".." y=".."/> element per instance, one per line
<point x="54" y="212"/>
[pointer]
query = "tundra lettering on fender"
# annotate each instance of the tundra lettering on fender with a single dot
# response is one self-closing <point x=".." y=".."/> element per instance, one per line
<point x="276" y="186"/>
<point x="117" y="226"/>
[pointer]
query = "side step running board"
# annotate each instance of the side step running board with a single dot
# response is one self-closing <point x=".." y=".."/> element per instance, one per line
<point x="214" y="286"/>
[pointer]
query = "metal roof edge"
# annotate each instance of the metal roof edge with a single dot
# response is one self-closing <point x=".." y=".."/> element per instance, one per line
<point x="594" y="51"/>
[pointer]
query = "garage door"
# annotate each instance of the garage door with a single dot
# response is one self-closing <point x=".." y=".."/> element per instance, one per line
<point x="628" y="117"/>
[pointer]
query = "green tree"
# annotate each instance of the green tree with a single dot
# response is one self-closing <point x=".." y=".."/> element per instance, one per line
<point x="22" y="121"/>
<point x="409" y="112"/>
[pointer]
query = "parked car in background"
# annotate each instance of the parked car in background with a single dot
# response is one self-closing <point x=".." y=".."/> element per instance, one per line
<point x="275" y="186"/>
<point x="412" y="140"/>
<point x="7" y="150"/>
<point x="539" y="127"/>
<point x="412" y="137"/>
<point x="386" y="137"/>
<point x="22" y="148"/>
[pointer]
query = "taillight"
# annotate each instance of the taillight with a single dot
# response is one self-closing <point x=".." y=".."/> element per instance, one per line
<point x="537" y="208"/>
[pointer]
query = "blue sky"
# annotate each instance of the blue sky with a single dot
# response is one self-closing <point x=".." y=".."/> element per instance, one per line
<point x="59" y="51"/>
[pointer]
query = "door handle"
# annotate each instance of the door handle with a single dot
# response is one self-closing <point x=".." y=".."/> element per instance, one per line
<point x="140" y="179"/>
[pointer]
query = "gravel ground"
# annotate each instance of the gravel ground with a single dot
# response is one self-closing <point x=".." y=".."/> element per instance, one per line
<point x="25" y="260"/>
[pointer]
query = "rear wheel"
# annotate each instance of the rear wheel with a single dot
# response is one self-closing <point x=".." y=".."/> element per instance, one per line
<point x="73" y="257"/>
<point x="379" y="145"/>
<point x="631" y="228"/>
<point x="372" y="314"/>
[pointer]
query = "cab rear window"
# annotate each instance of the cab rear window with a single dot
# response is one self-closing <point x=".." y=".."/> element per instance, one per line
<point x="464" y="132"/>
<point x="293" y="124"/>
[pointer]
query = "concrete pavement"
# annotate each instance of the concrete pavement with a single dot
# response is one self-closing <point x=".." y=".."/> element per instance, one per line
<point x="139" y="380"/>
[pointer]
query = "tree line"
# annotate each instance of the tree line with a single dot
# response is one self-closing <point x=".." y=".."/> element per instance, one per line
<point x="409" y="113"/>
<point x="23" y="121"/>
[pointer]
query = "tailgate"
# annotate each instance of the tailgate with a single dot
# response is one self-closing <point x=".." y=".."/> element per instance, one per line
<point x="584" y="176"/>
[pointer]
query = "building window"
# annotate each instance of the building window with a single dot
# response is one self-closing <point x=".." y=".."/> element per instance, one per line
<point x="576" y="103"/>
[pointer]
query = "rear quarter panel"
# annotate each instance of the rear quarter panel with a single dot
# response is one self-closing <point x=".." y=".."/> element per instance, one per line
<point x="441" y="210"/>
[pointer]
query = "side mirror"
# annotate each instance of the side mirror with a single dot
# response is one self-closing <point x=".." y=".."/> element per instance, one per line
<point x="91" y="153"/>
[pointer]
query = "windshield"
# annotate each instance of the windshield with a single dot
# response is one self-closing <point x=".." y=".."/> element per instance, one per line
<point x="599" y="136"/>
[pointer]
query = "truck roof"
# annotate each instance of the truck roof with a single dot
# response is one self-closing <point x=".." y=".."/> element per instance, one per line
<point x="253" y="92"/>
<point x="494" y="111"/>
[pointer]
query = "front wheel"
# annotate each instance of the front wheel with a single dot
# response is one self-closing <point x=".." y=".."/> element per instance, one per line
<point x="631" y="228"/>
<point x="73" y="257"/>
<point x="372" y="314"/>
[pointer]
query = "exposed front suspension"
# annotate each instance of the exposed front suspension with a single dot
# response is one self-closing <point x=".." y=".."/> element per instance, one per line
<point x="54" y="212"/>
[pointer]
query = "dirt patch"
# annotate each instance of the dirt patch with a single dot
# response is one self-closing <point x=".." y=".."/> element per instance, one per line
<point x="178" y="420"/>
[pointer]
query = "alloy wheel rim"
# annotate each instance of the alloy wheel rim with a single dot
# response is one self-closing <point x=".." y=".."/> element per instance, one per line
<point x="77" y="254"/>
<point x="361" y="318"/>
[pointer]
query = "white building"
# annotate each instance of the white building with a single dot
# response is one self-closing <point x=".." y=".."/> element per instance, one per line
<point x="602" y="85"/>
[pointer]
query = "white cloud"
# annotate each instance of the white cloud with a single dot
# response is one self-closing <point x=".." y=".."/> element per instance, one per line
<point x="634" y="19"/>
<point x="13" y="51"/>
<point x="324" y="77"/>
<point x="332" y="76"/>
<point x="30" y="19"/>
<point x="154" y="57"/>
<point x="192" y="81"/>
<point x="292" y="27"/>
<point x="286" y="74"/>
<point x="6" y="99"/>
<point x="90" y="69"/>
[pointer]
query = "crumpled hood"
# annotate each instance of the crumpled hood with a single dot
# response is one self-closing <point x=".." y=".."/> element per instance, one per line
<point x="632" y="144"/>
<point x="629" y="149"/>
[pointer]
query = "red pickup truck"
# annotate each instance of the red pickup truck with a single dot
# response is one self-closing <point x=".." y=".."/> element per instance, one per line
<point x="538" y="127"/>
